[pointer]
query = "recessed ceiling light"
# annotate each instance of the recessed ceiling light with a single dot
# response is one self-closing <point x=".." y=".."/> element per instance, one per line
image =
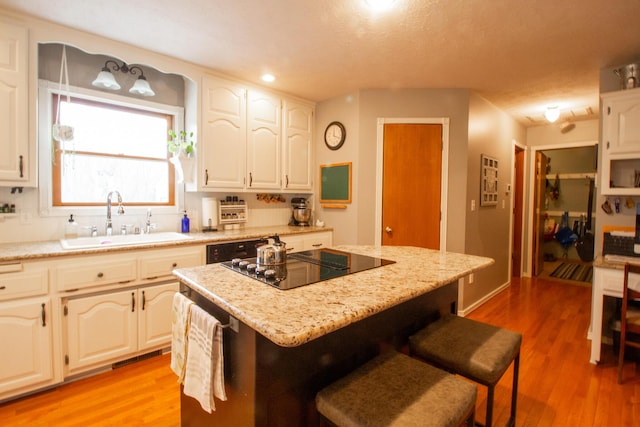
<point x="268" y="78"/>
<point x="380" y="5"/>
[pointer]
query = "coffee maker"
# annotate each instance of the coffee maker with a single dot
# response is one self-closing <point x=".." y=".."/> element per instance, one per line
<point x="301" y="215"/>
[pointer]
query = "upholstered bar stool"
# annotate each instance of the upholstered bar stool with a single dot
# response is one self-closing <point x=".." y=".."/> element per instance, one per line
<point x="394" y="389"/>
<point x="475" y="350"/>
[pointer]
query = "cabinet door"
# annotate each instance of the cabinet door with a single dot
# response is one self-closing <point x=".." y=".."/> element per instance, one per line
<point x="100" y="329"/>
<point x="620" y="142"/>
<point x="154" y="315"/>
<point x="263" y="141"/>
<point x="298" y="119"/>
<point x="14" y="144"/>
<point x="224" y="138"/>
<point x="621" y="123"/>
<point x="27" y="355"/>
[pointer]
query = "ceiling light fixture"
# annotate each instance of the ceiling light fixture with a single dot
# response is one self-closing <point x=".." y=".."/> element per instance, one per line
<point x="380" y="5"/>
<point x="552" y="114"/>
<point x="106" y="80"/>
<point x="268" y="78"/>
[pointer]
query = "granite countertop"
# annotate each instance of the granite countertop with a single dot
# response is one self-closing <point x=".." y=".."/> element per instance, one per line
<point x="293" y="317"/>
<point x="11" y="252"/>
<point x="616" y="263"/>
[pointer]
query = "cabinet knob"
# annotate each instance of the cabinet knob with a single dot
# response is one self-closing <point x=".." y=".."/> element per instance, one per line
<point x="174" y="265"/>
<point x="388" y="229"/>
<point x="101" y="274"/>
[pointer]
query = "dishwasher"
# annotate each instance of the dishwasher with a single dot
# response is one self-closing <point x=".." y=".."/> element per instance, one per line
<point x="221" y="252"/>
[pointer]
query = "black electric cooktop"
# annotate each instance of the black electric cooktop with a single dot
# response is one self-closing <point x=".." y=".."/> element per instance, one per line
<point x="305" y="268"/>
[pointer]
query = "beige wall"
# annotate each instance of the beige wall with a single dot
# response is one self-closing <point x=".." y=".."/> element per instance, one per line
<point x="476" y="127"/>
<point x="488" y="228"/>
<point x="360" y="112"/>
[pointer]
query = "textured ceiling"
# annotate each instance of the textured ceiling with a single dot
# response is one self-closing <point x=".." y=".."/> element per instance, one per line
<point x="520" y="55"/>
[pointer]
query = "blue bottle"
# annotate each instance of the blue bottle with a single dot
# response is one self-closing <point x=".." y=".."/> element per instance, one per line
<point x="185" y="223"/>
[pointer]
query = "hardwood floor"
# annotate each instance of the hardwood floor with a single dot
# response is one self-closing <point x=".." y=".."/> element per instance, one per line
<point x="558" y="386"/>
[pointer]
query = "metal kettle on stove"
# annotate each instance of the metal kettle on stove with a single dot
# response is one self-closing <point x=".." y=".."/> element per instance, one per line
<point x="272" y="253"/>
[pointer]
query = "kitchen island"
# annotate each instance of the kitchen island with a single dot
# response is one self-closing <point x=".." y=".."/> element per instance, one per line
<point x="289" y="344"/>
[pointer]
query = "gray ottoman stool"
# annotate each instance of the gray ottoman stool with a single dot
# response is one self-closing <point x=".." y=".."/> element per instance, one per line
<point x="475" y="350"/>
<point x="394" y="389"/>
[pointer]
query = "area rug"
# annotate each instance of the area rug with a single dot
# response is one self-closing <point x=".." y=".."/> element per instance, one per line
<point x="571" y="271"/>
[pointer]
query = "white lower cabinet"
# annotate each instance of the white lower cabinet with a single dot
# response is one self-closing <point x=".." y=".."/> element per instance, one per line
<point x="105" y="328"/>
<point x="308" y="241"/>
<point x="27" y="342"/>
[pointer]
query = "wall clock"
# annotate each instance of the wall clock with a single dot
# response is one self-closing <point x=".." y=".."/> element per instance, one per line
<point x="334" y="135"/>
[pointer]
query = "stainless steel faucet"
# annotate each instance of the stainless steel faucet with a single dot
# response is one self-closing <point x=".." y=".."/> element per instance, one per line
<point x="109" y="227"/>
<point x="148" y="226"/>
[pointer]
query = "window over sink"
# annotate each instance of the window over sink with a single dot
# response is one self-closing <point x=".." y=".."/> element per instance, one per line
<point x="119" y="143"/>
<point x="114" y="147"/>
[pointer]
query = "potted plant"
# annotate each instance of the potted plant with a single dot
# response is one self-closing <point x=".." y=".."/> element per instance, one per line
<point x="182" y="146"/>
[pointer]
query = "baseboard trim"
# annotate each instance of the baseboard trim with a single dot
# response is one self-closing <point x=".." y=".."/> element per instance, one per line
<point x="466" y="310"/>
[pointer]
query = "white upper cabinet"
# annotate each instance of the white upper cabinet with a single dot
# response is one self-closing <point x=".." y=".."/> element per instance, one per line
<point x="620" y="143"/>
<point x="15" y="169"/>
<point x="253" y="140"/>
<point x="222" y="148"/>
<point x="263" y="141"/>
<point x="297" y="171"/>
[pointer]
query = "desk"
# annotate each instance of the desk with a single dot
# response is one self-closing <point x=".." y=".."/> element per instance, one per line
<point x="608" y="279"/>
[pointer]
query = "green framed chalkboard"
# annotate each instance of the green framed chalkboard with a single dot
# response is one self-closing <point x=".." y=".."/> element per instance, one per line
<point x="335" y="183"/>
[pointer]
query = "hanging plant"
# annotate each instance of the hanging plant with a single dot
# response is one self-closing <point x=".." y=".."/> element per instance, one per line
<point x="181" y="143"/>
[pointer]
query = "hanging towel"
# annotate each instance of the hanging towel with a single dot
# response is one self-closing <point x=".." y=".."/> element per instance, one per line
<point x="180" y="316"/>
<point x="204" y="376"/>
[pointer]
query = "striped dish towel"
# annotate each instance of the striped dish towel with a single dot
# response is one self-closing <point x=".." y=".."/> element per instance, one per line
<point x="180" y="317"/>
<point x="204" y="376"/>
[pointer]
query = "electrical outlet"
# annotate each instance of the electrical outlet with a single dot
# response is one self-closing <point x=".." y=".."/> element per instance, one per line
<point x="473" y="205"/>
<point x="471" y="278"/>
<point x="26" y="218"/>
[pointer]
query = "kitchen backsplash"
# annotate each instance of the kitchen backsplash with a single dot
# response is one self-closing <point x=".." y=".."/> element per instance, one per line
<point x="27" y="225"/>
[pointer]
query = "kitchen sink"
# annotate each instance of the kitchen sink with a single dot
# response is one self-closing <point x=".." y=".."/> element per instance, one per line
<point x="122" y="240"/>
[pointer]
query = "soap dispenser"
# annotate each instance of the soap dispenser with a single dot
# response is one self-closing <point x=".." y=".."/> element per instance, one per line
<point x="185" y="223"/>
<point x="71" y="228"/>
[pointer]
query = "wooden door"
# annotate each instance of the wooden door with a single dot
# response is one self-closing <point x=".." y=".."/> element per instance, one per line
<point x="411" y="185"/>
<point x="537" y="252"/>
<point x="518" y="197"/>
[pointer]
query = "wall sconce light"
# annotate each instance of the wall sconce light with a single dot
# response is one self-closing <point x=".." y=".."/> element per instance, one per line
<point x="552" y="114"/>
<point x="106" y="80"/>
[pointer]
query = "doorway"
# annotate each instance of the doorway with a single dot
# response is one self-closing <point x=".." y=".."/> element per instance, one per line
<point x="560" y="177"/>
<point x="411" y="173"/>
<point x="518" y="210"/>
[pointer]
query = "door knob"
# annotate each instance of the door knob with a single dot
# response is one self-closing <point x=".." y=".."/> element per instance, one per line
<point x="388" y="229"/>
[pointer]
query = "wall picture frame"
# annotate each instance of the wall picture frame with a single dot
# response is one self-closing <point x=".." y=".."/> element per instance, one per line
<point x="488" y="180"/>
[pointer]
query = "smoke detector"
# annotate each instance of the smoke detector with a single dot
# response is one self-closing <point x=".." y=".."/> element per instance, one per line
<point x="567" y="126"/>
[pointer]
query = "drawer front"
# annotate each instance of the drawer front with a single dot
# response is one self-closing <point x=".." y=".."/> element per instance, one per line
<point x="162" y="263"/>
<point x="318" y="241"/>
<point x="613" y="281"/>
<point x="24" y="283"/>
<point x="94" y="272"/>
